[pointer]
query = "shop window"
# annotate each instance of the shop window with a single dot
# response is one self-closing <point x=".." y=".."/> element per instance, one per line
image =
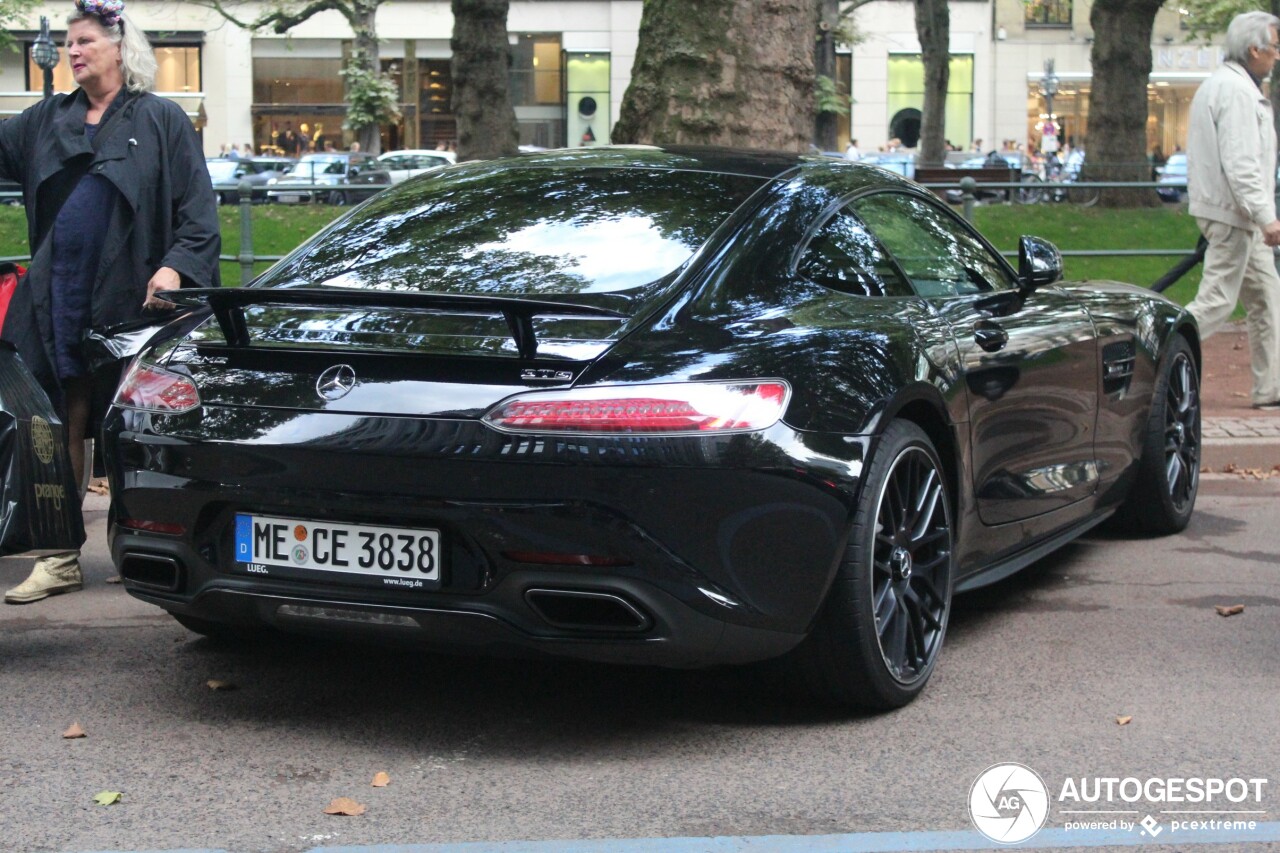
<point x="297" y="80"/>
<point x="535" y="71"/>
<point x="177" y="70"/>
<point x="906" y="92"/>
<point x="1048" y="13"/>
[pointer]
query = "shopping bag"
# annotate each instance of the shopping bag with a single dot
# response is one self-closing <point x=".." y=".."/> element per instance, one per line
<point x="10" y="275"/>
<point x="39" y="498"/>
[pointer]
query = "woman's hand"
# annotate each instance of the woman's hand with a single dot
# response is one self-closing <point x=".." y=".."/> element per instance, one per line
<point x="166" y="278"/>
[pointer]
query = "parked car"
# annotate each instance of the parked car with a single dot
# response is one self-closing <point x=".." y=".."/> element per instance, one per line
<point x="1174" y="171"/>
<point x="670" y="406"/>
<point x="405" y="164"/>
<point x="258" y="170"/>
<point x="336" y="178"/>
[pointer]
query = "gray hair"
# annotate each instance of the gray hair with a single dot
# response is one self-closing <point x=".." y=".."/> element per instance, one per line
<point x="1249" y="29"/>
<point x="137" y="59"/>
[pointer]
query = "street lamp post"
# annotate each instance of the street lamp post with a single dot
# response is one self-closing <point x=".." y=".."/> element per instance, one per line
<point x="1049" y="87"/>
<point x="45" y="54"/>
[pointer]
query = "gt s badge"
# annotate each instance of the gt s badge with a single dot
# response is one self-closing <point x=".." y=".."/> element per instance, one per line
<point x="545" y="375"/>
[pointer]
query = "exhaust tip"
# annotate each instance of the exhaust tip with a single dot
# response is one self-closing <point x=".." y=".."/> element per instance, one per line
<point x="586" y="610"/>
<point x="153" y="571"/>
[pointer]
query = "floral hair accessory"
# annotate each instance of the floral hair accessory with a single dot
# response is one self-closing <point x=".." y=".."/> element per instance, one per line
<point x="107" y="11"/>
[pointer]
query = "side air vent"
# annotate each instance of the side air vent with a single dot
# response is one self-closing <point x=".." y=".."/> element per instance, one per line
<point x="1117" y="366"/>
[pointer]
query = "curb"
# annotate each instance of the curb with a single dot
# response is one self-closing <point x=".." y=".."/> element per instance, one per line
<point x="1241" y="443"/>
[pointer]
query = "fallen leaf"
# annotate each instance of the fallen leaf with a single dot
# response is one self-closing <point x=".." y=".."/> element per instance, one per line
<point x="100" y="488"/>
<point x="107" y="798"/>
<point x="73" y="732"/>
<point x="1125" y="720"/>
<point x="218" y="684"/>
<point x="381" y="780"/>
<point x="345" y="806"/>
<point x="1228" y="609"/>
<point x="113" y="579"/>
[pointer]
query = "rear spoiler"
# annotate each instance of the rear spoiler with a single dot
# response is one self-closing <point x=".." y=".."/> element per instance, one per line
<point x="228" y="304"/>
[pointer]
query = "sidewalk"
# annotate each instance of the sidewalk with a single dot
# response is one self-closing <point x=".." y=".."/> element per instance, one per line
<point x="1237" y="437"/>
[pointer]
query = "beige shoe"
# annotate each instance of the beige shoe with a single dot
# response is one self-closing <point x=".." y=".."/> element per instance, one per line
<point x="54" y="574"/>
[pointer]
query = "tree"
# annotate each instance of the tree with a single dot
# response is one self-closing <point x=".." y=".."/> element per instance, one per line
<point x="829" y="98"/>
<point x="481" y="93"/>
<point x="1208" y="17"/>
<point x="372" y="98"/>
<point x="933" y="28"/>
<point x="1117" y="149"/>
<point x="11" y="11"/>
<point x="723" y="72"/>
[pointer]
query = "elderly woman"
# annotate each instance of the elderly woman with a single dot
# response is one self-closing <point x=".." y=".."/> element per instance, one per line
<point x="119" y="207"/>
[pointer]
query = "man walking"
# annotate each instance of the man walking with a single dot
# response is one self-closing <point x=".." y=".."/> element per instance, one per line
<point x="1231" y="181"/>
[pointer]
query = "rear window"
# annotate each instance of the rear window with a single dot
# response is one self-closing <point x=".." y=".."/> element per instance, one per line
<point x="523" y="231"/>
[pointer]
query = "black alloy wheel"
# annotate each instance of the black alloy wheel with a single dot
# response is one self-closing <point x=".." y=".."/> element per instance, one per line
<point x="883" y="624"/>
<point x="1168" y="478"/>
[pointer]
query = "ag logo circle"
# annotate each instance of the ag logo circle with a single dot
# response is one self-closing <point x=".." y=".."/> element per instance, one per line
<point x="1008" y="803"/>
<point x="42" y="439"/>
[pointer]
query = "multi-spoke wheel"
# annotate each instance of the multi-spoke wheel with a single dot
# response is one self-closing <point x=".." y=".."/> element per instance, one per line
<point x="1164" y="491"/>
<point x="882" y="626"/>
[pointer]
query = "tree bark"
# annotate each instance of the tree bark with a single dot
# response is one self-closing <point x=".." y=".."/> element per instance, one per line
<point x="365" y="29"/>
<point x="723" y="72"/>
<point x="933" y="28"/>
<point x="826" y="127"/>
<point x="1116" y="149"/>
<point x="481" y="97"/>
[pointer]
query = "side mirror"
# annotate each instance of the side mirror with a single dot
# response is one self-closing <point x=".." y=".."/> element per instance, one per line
<point x="1039" y="263"/>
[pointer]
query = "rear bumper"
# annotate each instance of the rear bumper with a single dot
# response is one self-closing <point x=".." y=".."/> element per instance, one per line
<point x="724" y="555"/>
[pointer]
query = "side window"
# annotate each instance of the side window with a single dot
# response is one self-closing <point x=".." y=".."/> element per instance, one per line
<point x="940" y="255"/>
<point x="843" y="256"/>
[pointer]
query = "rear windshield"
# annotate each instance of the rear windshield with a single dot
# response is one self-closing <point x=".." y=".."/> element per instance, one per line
<point x="525" y="231"/>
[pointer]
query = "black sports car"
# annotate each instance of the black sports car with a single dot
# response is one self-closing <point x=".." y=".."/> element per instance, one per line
<point x="669" y="406"/>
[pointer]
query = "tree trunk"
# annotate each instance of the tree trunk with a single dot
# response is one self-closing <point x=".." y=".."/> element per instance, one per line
<point x="723" y="72"/>
<point x="481" y="97"/>
<point x="826" y="127"/>
<point x="933" y="28"/>
<point x="1117" y="146"/>
<point x="366" y="44"/>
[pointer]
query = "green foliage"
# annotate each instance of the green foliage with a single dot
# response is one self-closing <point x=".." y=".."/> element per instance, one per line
<point x="829" y="96"/>
<point x="372" y="97"/>
<point x="11" y="13"/>
<point x="1209" y="17"/>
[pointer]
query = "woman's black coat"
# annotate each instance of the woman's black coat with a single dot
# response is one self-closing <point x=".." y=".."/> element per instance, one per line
<point x="165" y="213"/>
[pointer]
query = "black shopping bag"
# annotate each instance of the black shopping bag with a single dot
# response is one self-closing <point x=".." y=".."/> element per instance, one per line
<point x="39" y="498"/>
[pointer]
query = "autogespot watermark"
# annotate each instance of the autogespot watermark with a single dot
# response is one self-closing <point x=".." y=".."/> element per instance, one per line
<point x="1009" y="803"/>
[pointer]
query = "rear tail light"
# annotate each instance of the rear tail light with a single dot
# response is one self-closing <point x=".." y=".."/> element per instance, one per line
<point x="151" y="387"/>
<point x="689" y="408"/>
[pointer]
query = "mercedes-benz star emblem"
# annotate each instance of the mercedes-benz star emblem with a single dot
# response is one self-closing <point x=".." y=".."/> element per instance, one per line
<point x="336" y="382"/>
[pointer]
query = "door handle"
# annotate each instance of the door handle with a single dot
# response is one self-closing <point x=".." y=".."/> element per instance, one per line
<point x="990" y="337"/>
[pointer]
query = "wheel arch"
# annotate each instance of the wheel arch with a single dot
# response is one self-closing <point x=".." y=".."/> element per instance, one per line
<point x="926" y="409"/>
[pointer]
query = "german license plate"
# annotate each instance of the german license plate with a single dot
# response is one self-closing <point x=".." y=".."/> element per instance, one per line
<point x="291" y="198"/>
<point x="400" y="556"/>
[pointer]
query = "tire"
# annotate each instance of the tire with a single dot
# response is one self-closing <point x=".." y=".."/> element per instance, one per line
<point x="219" y="632"/>
<point x="877" y="638"/>
<point x="1164" y="492"/>
<point x="1083" y="196"/>
<point x="337" y="197"/>
<point x="1032" y="190"/>
<point x="223" y="198"/>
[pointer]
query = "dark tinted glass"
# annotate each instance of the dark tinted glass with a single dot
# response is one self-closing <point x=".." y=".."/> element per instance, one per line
<point x="940" y="256"/>
<point x="525" y="230"/>
<point x="844" y="256"/>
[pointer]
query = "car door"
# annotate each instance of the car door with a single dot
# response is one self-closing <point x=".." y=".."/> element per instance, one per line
<point x="1029" y="361"/>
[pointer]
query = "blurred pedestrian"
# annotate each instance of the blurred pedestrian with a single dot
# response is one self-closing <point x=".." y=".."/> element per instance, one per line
<point x="119" y="207"/>
<point x="1231" y="183"/>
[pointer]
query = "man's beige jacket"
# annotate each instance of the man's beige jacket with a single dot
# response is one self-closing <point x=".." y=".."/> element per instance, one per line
<point x="1231" y="151"/>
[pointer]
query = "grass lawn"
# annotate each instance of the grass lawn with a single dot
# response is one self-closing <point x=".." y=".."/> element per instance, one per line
<point x="278" y="229"/>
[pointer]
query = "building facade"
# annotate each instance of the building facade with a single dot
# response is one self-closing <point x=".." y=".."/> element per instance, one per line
<point x="572" y="59"/>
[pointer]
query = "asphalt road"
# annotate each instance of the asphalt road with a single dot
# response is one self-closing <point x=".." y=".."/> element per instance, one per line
<point x="1036" y="670"/>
